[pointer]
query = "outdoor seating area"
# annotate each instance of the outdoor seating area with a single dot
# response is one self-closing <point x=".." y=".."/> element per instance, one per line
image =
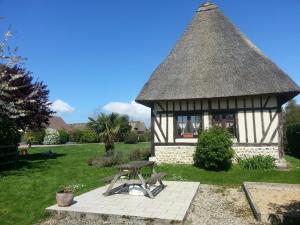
<point x="170" y="206"/>
<point x="126" y="175"/>
<point x="135" y="192"/>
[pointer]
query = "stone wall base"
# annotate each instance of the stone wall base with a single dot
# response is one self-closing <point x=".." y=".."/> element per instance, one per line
<point x="248" y="151"/>
<point x="184" y="154"/>
<point x="174" y="154"/>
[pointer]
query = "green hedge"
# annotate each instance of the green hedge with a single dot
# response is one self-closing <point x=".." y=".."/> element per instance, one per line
<point x="145" y="136"/>
<point x="293" y="139"/>
<point x="131" y="137"/>
<point x="64" y="136"/>
<point x="9" y="139"/>
<point x="88" y="136"/>
<point x="8" y="155"/>
<point x="84" y="136"/>
<point x="34" y="137"/>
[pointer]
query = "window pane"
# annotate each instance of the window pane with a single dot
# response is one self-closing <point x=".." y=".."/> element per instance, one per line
<point x="197" y="124"/>
<point x="188" y="125"/>
<point x="225" y="120"/>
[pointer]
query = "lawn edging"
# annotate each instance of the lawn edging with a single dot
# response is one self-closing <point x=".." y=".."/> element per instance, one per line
<point x="253" y="206"/>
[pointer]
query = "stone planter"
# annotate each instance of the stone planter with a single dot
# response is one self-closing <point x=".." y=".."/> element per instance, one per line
<point x="64" y="199"/>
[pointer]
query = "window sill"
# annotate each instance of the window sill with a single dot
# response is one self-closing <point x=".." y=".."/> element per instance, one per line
<point x="195" y="140"/>
<point x="186" y="140"/>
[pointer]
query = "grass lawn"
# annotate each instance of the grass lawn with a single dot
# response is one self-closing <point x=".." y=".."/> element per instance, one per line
<point x="234" y="176"/>
<point x="28" y="190"/>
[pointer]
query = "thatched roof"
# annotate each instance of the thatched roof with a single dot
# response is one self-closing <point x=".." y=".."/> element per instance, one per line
<point x="214" y="59"/>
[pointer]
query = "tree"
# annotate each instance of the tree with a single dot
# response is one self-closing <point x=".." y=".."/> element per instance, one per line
<point x="291" y="128"/>
<point x="21" y="99"/>
<point x="124" y="127"/>
<point x="107" y="127"/>
<point x="292" y="112"/>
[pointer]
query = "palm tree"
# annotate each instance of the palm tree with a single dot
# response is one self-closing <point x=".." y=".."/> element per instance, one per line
<point x="108" y="127"/>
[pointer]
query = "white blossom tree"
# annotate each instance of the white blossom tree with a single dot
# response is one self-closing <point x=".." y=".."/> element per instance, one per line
<point x="21" y="99"/>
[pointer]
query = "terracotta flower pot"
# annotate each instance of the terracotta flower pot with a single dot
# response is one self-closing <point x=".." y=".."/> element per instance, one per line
<point x="188" y="135"/>
<point x="64" y="199"/>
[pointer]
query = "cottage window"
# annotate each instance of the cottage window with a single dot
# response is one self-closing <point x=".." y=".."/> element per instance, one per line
<point x="225" y="120"/>
<point x="188" y="125"/>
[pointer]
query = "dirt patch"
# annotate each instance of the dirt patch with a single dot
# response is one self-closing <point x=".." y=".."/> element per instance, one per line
<point x="276" y="201"/>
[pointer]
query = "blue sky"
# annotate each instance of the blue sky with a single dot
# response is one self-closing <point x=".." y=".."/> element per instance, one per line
<point x="92" y="54"/>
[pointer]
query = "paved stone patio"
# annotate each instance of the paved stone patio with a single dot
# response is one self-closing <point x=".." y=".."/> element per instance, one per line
<point x="169" y="206"/>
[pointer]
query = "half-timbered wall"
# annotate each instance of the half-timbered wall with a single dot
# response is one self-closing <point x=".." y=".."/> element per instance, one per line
<point x="257" y="120"/>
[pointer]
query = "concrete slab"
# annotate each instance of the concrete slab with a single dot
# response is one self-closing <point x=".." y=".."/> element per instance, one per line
<point x="169" y="206"/>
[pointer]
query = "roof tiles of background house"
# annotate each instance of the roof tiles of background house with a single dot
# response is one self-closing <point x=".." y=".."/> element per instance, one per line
<point x="138" y="126"/>
<point x="78" y="126"/>
<point x="214" y="59"/>
<point x="57" y="123"/>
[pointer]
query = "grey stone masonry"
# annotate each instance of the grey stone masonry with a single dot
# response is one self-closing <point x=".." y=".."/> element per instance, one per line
<point x="248" y="151"/>
<point x="184" y="154"/>
<point x="174" y="154"/>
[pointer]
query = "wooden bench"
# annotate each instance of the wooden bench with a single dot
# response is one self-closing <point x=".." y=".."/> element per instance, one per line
<point x="110" y="178"/>
<point x="155" y="177"/>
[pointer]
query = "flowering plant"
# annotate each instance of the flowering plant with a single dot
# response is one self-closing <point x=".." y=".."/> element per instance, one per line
<point x="51" y="137"/>
<point x="71" y="188"/>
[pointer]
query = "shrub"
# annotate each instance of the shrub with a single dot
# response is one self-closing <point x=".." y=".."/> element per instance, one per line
<point x="64" y="136"/>
<point x="9" y="134"/>
<point x="51" y="137"/>
<point x="145" y="137"/>
<point x="9" y="138"/>
<point x="118" y="158"/>
<point x="132" y="137"/>
<point x="292" y="139"/>
<point x="75" y="135"/>
<point x="214" y="149"/>
<point x="258" y="162"/>
<point x="139" y="154"/>
<point x="107" y="161"/>
<point x="35" y="137"/>
<point x="88" y="136"/>
<point x="84" y="136"/>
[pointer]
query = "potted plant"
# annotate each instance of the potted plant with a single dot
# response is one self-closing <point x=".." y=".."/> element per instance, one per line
<point x="65" y="196"/>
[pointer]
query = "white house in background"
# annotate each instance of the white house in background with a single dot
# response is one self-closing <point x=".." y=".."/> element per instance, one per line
<point x="215" y="76"/>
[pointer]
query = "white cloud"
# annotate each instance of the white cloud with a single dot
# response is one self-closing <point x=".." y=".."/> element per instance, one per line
<point x="132" y="109"/>
<point x="60" y="106"/>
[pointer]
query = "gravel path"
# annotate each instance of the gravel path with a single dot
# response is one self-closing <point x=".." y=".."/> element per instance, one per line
<point x="213" y="205"/>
